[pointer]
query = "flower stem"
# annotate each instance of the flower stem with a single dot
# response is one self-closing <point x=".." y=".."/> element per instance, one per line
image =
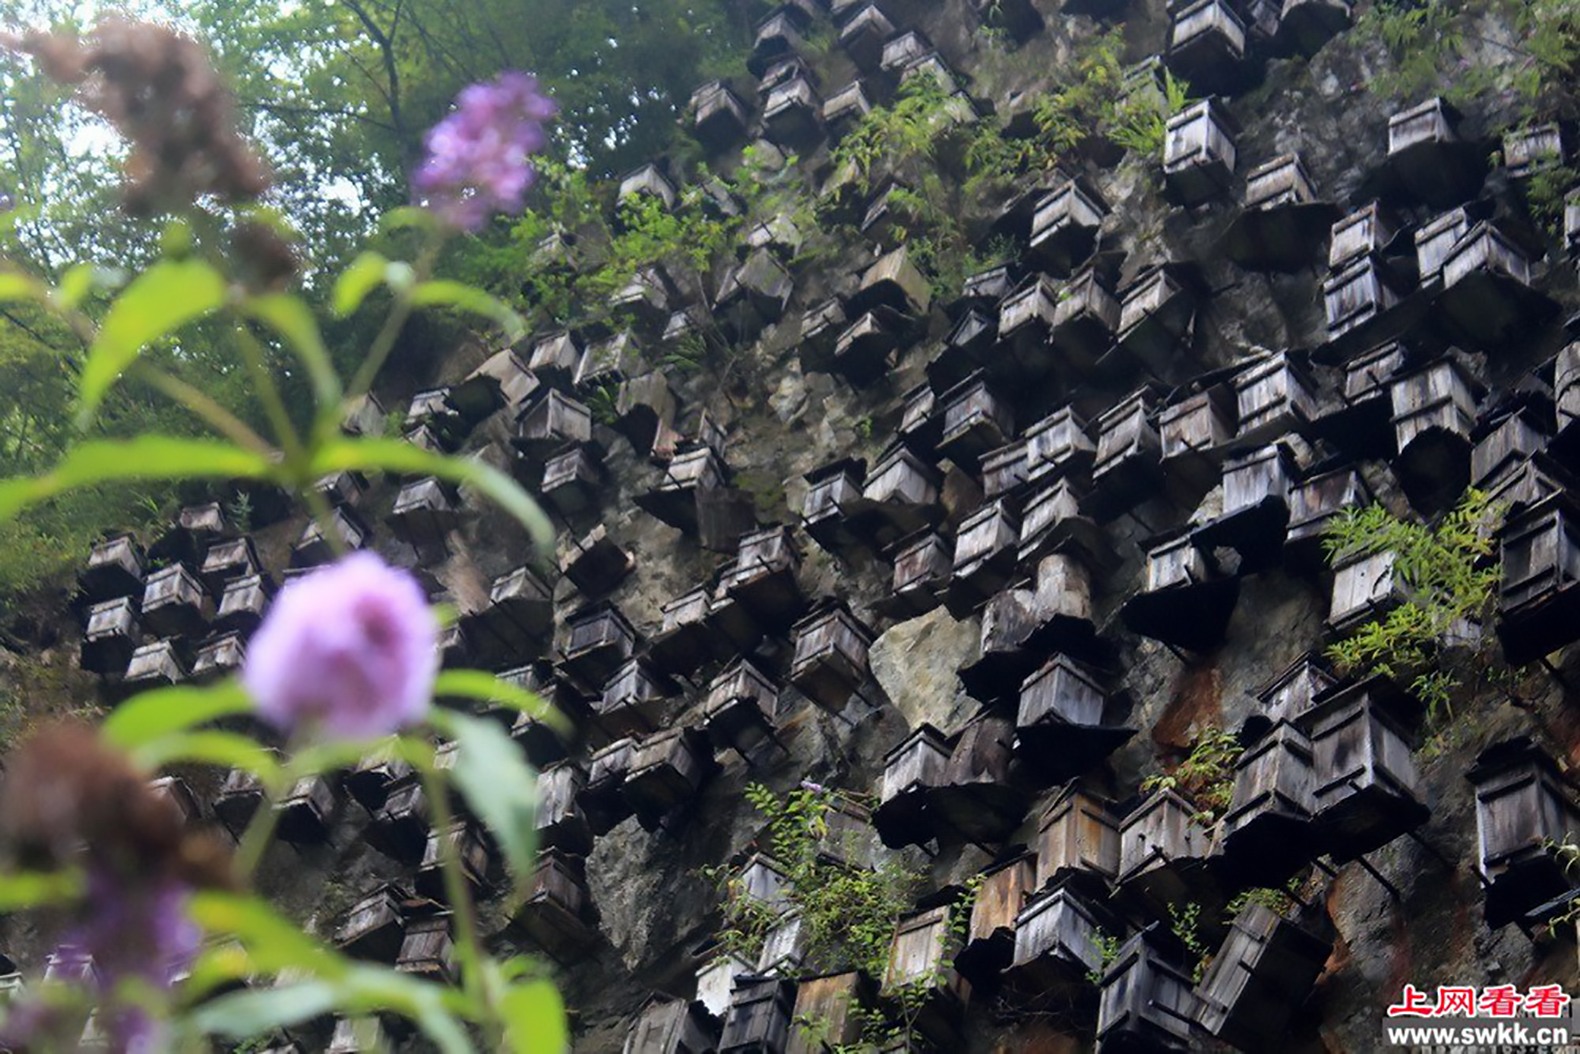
<point x="400" y="312"/>
<point x="456" y="892"/>
<point x="252" y="354"/>
<point x="255" y="841"/>
<point x="204" y="406"/>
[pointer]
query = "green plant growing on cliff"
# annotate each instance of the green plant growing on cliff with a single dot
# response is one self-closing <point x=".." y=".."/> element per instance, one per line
<point x="1185" y="923"/>
<point x="1139" y="122"/>
<point x="1107" y="952"/>
<point x="1206" y="777"/>
<point x="603" y="403"/>
<point x="1446" y="581"/>
<point x="848" y="911"/>
<point x="1545" y="194"/>
<point x="1094" y="104"/>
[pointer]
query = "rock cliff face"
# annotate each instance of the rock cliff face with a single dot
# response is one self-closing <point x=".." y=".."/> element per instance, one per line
<point x="1158" y="539"/>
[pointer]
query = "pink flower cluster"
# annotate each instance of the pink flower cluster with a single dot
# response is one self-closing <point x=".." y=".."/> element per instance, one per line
<point x="351" y="650"/>
<point x="476" y="161"/>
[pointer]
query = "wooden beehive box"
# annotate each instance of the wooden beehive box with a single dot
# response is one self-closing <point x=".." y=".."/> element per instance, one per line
<point x="667" y="770"/>
<point x="1265" y="836"/>
<point x="975" y="420"/>
<point x="243" y="602"/>
<point x="648" y="179"/>
<point x="1147" y="1002"/>
<point x="683" y="642"/>
<point x="1428" y="157"/>
<point x="784" y="947"/>
<point x="601" y="799"/>
<point x="1056" y="943"/>
<point x="218" y="657"/>
<point x="832" y="489"/>
<point x="1057" y="446"/>
<point x="467" y="843"/>
<point x="307" y="810"/>
<point x="1505" y="441"/>
<point x="1313" y="503"/>
<point x="863" y="35"/>
<point x="1084" y="322"/>
<point x="559" y="822"/>
<point x="1363" y="232"/>
<point x="984" y="558"/>
<point x="153" y="665"/>
<point x="976" y="800"/>
<point x="364" y="416"/>
<point x="674" y="500"/>
<point x="990" y="940"/>
<point x="1077" y="840"/>
<point x="1191" y="433"/>
<point x="633" y="700"/>
<point x="1025" y="318"/>
<point x="1540" y="564"/>
<point x="175" y="603"/>
<point x="763" y="576"/>
<point x="830" y="660"/>
<point x="610" y="361"/>
<point x="1156" y="313"/>
<point x="910" y="771"/>
<point x="595" y="563"/>
<point x="758" y="1018"/>
<point x="1161" y="844"/>
<point x="1129" y="451"/>
<point x="716" y="979"/>
<point x="719" y="117"/>
<point x="1054" y="522"/>
<point x="1363" y="292"/>
<point x="554" y="358"/>
<point x="923" y="563"/>
<point x="1435" y="239"/>
<point x="902" y="51"/>
<point x="572" y="479"/>
<point x="1259" y="978"/>
<point x="670" y="1026"/>
<point x="1183" y="600"/>
<point x="828" y="1012"/>
<point x="1434" y="412"/>
<point x="1363" y="589"/>
<point x="371" y="780"/>
<point x="400" y="825"/>
<point x="503" y="381"/>
<point x="228" y="559"/>
<point x="556" y="911"/>
<point x="1064" y="227"/>
<point x="1274" y="396"/>
<point x="312" y="546"/>
<point x="374" y="927"/>
<point x="1305" y="25"/>
<point x="1488" y="298"/>
<point x="921" y="955"/>
<point x="1062" y="693"/>
<point x="1005" y="470"/>
<point x="1524" y="804"/>
<point x="1199" y="150"/>
<point x="111" y="635"/>
<point x="1282" y="225"/>
<point x="793" y="112"/>
<point x="1366" y="786"/>
<point x="1289" y="694"/>
<point x="428" y="950"/>
<point x="741" y="707"/>
<point x="599" y="641"/>
<point x="425" y="511"/>
<point x="549" y="422"/>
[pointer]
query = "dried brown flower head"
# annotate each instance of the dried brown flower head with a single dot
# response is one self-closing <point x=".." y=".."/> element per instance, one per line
<point x="162" y="93"/>
<point x="66" y="792"/>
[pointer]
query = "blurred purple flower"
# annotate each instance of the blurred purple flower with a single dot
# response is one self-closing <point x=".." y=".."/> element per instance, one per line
<point x="476" y="158"/>
<point x="351" y="650"/>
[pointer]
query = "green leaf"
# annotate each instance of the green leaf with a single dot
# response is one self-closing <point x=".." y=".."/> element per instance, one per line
<point x="240" y="1015"/>
<point x="535" y="1019"/>
<point x="408" y="217"/>
<point x="484" y="687"/>
<point x="21" y="890"/>
<point x="443" y="292"/>
<point x="395" y="455"/>
<point x="144" y="457"/>
<point x="273" y="942"/>
<point x="290" y="317"/>
<point x="151" y="715"/>
<point x="158" y="302"/>
<point x="497" y="784"/>
<point x="356" y="282"/>
<point x="14" y="285"/>
<point x="81" y="279"/>
<point x="210" y="748"/>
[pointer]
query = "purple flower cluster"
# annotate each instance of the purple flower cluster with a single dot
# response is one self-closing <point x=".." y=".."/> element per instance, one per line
<point x="350" y="650"/>
<point x="476" y="161"/>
